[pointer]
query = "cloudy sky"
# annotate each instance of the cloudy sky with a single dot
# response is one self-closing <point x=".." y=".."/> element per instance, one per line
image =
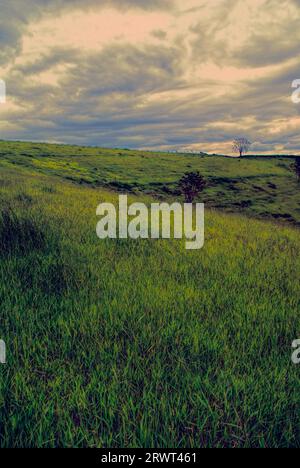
<point x="157" y="74"/>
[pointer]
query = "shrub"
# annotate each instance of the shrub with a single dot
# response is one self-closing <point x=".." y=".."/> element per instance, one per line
<point x="191" y="184"/>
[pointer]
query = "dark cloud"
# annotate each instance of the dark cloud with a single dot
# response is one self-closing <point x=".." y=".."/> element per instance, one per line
<point x="102" y="95"/>
<point x="265" y="48"/>
<point x="16" y="14"/>
<point x="271" y="39"/>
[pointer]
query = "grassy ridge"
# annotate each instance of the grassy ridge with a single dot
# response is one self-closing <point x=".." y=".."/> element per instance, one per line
<point x="260" y="187"/>
<point x="141" y="343"/>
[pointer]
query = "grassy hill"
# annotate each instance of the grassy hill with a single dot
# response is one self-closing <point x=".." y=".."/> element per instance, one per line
<point x="256" y="186"/>
<point x="142" y="343"/>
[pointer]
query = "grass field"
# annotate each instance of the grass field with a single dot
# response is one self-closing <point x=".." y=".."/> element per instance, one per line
<point x="142" y="343"/>
<point x="256" y="186"/>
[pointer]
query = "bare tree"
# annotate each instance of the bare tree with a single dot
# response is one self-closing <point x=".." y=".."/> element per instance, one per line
<point x="241" y="146"/>
<point x="191" y="184"/>
<point x="296" y="167"/>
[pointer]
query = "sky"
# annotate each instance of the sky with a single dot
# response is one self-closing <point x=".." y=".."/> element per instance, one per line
<point x="152" y="74"/>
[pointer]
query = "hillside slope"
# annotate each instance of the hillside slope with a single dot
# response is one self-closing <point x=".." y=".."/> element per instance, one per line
<point x="260" y="187"/>
<point x="141" y="343"/>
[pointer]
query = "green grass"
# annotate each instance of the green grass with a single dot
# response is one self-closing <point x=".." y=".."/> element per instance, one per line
<point x="256" y="186"/>
<point x="142" y="343"/>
